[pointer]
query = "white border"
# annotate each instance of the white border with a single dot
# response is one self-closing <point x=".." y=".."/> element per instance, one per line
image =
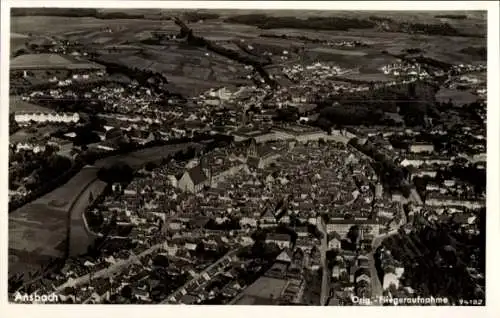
<point x="493" y="221"/>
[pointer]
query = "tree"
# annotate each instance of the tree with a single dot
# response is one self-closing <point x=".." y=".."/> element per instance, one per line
<point x="150" y="166"/>
<point x="126" y="292"/>
<point x="161" y="261"/>
<point x="200" y="248"/>
<point x="354" y="234"/>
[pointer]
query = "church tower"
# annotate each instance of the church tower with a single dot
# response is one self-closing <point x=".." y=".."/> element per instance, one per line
<point x="207" y="169"/>
<point x="252" y="148"/>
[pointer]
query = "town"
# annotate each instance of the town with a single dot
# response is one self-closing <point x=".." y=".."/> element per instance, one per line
<point x="308" y="183"/>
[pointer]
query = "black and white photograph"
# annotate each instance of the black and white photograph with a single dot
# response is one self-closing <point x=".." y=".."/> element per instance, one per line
<point x="217" y="156"/>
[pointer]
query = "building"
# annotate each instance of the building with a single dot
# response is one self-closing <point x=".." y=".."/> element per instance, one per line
<point x="46" y="117"/>
<point x="195" y="179"/>
<point x="334" y="241"/>
<point x="390" y="279"/>
<point x="421" y="148"/>
<point x="260" y="157"/>
<point x="282" y="240"/>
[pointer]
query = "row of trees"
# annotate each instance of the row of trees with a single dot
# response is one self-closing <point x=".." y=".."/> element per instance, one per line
<point x="54" y="172"/>
<point x="392" y="176"/>
<point x="316" y="23"/>
<point x="414" y="101"/>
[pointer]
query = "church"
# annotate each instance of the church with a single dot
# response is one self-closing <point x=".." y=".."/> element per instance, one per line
<point x="195" y="179"/>
<point x="260" y="157"/>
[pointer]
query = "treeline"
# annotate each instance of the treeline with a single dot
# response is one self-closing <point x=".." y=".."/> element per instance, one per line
<point x="436" y="256"/>
<point x="414" y="101"/>
<point x="392" y="176"/>
<point x="75" y="12"/>
<point x="62" y="12"/>
<point x="451" y="16"/>
<point x="443" y="29"/>
<point x="257" y="63"/>
<point x="479" y="52"/>
<point x="195" y="16"/>
<point x="53" y="182"/>
<point x="263" y="21"/>
<point x="348" y="115"/>
<point x="423" y="60"/>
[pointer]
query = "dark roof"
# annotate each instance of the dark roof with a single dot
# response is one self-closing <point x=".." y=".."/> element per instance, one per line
<point x="253" y="162"/>
<point x="361" y="271"/>
<point x="264" y="151"/>
<point x="197" y="175"/>
<point x="278" y="237"/>
<point x="268" y="212"/>
<point x="334" y="234"/>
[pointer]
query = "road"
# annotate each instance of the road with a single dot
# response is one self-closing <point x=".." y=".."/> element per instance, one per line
<point x="415" y="197"/>
<point x="110" y="270"/>
<point x="80" y="237"/>
<point x="325" y="291"/>
<point x="376" y="284"/>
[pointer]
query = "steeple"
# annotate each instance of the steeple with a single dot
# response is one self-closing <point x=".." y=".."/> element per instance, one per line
<point x="207" y="169"/>
<point x="252" y="148"/>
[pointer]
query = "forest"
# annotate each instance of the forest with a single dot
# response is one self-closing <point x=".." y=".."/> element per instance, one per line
<point x="436" y="257"/>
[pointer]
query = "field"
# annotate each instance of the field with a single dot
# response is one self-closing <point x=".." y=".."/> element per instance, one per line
<point x="16" y="105"/>
<point x="26" y="134"/>
<point x="64" y="196"/>
<point x="47" y="61"/>
<point x="457" y="97"/>
<point x="38" y="230"/>
<point x="368" y="77"/>
<point x="339" y="52"/>
<point x="262" y="291"/>
<point x="141" y="157"/>
<point x="190" y="70"/>
<point x="17" y="41"/>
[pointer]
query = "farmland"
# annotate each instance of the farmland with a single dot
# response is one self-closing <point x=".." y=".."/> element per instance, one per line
<point x="16" y="105"/>
<point x="190" y="70"/>
<point x="38" y="230"/>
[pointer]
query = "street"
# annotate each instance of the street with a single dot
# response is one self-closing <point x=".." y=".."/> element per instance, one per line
<point x="325" y="290"/>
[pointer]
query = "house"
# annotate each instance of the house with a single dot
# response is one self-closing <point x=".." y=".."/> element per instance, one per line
<point x="362" y="261"/>
<point x="304" y="245"/>
<point x="363" y="277"/>
<point x="390" y="279"/>
<point x="194" y="179"/>
<point x="302" y="231"/>
<point x="268" y="216"/>
<point x="338" y="271"/>
<point x="282" y="240"/>
<point x="246" y="240"/>
<point x="334" y="241"/>
<point x="285" y="256"/>
<point x="248" y="221"/>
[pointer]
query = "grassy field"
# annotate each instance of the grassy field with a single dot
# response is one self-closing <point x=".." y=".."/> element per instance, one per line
<point x="141" y="157"/>
<point x="457" y="97"/>
<point x="38" y="230"/>
<point x="16" y="105"/>
<point x="62" y="197"/>
<point x="376" y="77"/>
<point x="338" y="52"/>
